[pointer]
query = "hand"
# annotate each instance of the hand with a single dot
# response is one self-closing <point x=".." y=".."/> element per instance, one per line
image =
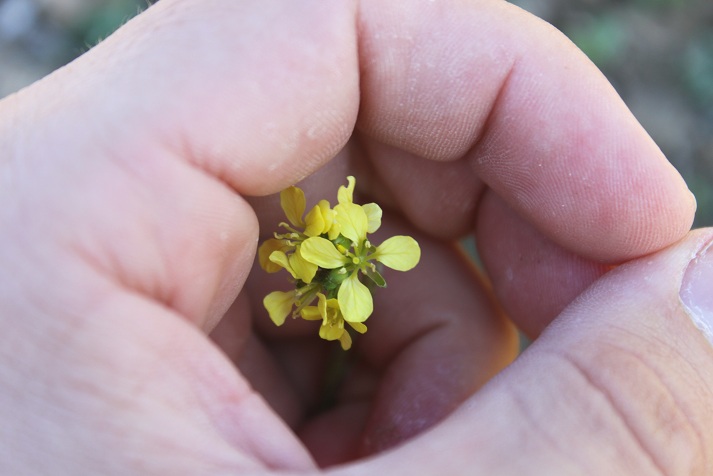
<point x="128" y="234"/>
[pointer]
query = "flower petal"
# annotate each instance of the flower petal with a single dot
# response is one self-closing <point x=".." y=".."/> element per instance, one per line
<point x="280" y="258"/>
<point x="345" y="340"/>
<point x="320" y="219"/>
<point x="373" y="215"/>
<point x="334" y="230"/>
<point x="292" y="200"/>
<point x="352" y="221"/>
<point x="401" y="253"/>
<point x="331" y="306"/>
<point x="322" y="252"/>
<point x="278" y="305"/>
<point x="355" y="300"/>
<point x="323" y="304"/>
<point x="331" y="330"/>
<point x="346" y="194"/>
<point x="302" y="268"/>
<point x="266" y="250"/>
<point x="310" y="313"/>
<point x="314" y="222"/>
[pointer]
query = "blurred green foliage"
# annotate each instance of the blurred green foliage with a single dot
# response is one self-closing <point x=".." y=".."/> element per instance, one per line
<point x="602" y="38"/>
<point x="648" y="4"/>
<point x="698" y="69"/>
<point x="103" y="19"/>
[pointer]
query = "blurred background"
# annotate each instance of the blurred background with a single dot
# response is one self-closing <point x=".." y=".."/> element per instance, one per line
<point x="657" y="53"/>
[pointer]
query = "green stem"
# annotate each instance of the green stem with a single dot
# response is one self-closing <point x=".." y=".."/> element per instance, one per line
<point x="338" y="367"/>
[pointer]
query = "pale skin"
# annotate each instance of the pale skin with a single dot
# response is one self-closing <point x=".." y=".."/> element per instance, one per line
<point x="129" y="224"/>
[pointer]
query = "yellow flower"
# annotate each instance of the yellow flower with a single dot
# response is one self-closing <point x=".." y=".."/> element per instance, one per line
<point x="332" y="327"/>
<point x="401" y="253"/>
<point x="328" y="254"/>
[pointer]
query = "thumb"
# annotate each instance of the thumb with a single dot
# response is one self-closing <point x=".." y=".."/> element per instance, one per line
<point x="620" y="383"/>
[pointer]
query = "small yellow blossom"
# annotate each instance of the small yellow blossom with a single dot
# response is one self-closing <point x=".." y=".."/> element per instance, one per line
<point x="330" y="258"/>
<point x="333" y="328"/>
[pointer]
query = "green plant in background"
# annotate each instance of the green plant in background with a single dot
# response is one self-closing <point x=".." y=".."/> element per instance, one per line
<point x="101" y="19"/>
<point x="601" y="37"/>
<point x="698" y="69"/>
<point x="701" y="188"/>
<point x="644" y="4"/>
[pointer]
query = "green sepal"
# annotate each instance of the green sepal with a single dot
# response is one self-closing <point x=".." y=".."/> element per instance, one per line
<point x="375" y="276"/>
<point x="342" y="240"/>
<point x="333" y="279"/>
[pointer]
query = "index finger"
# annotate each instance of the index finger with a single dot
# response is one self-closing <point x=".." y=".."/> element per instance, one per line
<point x="511" y="104"/>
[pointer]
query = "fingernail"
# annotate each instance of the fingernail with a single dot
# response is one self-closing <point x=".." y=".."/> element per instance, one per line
<point x="697" y="290"/>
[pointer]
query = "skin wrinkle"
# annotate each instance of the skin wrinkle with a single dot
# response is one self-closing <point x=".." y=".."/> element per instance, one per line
<point x="689" y="422"/>
<point x="636" y="436"/>
<point x="522" y="402"/>
<point x="593" y="443"/>
<point x="663" y="354"/>
<point x="474" y="155"/>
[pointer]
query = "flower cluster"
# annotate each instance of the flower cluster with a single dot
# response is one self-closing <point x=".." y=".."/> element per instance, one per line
<point x="329" y="257"/>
